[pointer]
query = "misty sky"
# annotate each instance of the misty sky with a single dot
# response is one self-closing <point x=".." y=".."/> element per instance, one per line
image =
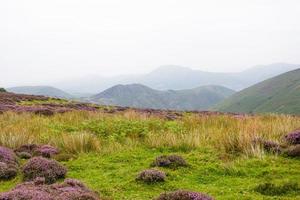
<point x="44" y="41"/>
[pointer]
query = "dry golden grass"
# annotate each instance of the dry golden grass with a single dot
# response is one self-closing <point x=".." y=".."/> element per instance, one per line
<point x="224" y="133"/>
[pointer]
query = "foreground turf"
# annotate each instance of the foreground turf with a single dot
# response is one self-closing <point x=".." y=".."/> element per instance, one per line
<point x="113" y="174"/>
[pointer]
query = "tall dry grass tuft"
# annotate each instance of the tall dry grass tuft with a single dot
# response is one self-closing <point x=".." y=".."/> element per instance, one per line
<point x="78" y="143"/>
<point x="170" y="140"/>
<point x="74" y="132"/>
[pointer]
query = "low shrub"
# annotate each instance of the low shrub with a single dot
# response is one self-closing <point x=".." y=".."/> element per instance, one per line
<point x="293" y="137"/>
<point x="8" y="163"/>
<point x="151" y="176"/>
<point x="184" y="195"/>
<point x="70" y="189"/>
<point x="293" y="151"/>
<point x="171" y="161"/>
<point x="29" y="150"/>
<point x="8" y="156"/>
<point x="276" y="190"/>
<point x="268" y="145"/>
<point x="51" y="170"/>
<point x="2" y="90"/>
<point x="46" y="151"/>
<point x="7" y="172"/>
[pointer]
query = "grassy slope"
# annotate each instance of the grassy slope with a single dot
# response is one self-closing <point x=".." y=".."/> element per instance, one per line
<point x="40" y="90"/>
<point x="136" y="95"/>
<point x="279" y="95"/>
<point x="129" y="143"/>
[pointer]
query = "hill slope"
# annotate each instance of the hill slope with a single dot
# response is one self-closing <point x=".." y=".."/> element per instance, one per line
<point x="40" y="90"/>
<point x="179" y="78"/>
<point x="140" y="96"/>
<point x="280" y="94"/>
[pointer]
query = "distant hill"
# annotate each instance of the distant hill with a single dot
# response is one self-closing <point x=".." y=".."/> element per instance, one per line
<point x="40" y="90"/>
<point x="140" y="96"/>
<point x="2" y="90"/>
<point x="280" y="94"/>
<point x="178" y="78"/>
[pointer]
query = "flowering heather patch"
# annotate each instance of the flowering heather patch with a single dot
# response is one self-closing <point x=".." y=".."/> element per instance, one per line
<point x="184" y="195"/>
<point x="29" y="150"/>
<point x="151" y="176"/>
<point x="70" y="189"/>
<point x="51" y="170"/>
<point x="7" y="171"/>
<point x="46" y="151"/>
<point x="172" y="161"/>
<point x="8" y="163"/>
<point x="293" y="137"/>
<point x="7" y="156"/>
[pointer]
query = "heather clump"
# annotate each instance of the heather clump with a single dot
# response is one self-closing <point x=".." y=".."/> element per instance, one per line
<point x="46" y="151"/>
<point x="170" y="161"/>
<point x="184" y="195"/>
<point x="293" y="137"/>
<point x="7" y="171"/>
<point x="268" y="145"/>
<point x="293" y="151"/>
<point x="70" y="189"/>
<point x="151" y="176"/>
<point x="51" y="170"/>
<point x="8" y="163"/>
<point x="30" y="150"/>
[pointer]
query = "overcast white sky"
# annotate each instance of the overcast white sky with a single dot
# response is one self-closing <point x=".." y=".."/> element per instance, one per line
<point x="47" y="40"/>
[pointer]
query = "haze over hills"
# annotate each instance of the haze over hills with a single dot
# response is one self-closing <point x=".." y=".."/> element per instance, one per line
<point x="178" y="78"/>
<point x="280" y="94"/>
<point x="40" y="90"/>
<point x="140" y="96"/>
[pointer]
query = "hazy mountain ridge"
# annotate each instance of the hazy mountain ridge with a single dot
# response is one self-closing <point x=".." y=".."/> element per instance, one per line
<point x="140" y="96"/>
<point x="41" y="90"/>
<point x="280" y="94"/>
<point x="178" y="78"/>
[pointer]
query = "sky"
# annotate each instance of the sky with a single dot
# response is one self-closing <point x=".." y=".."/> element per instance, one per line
<point x="44" y="41"/>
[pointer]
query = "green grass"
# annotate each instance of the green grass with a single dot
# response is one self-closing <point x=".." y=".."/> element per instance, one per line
<point x="111" y="149"/>
<point x="276" y="95"/>
<point x="113" y="174"/>
<point x="41" y="102"/>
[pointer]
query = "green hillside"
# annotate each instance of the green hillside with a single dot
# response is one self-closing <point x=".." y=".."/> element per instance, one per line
<point x="140" y="96"/>
<point x="280" y="94"/>
<point x="40" y="90"/>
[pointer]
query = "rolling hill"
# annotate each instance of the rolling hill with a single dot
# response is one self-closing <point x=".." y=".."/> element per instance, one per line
<point x="280" y="94"/>
<point x="140" y="96"/>
<point x="40" y="90"/>
<point x="178" y="78"/>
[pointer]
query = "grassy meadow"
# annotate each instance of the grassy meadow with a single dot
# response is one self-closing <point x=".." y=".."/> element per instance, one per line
<point x="107" y="151"/>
